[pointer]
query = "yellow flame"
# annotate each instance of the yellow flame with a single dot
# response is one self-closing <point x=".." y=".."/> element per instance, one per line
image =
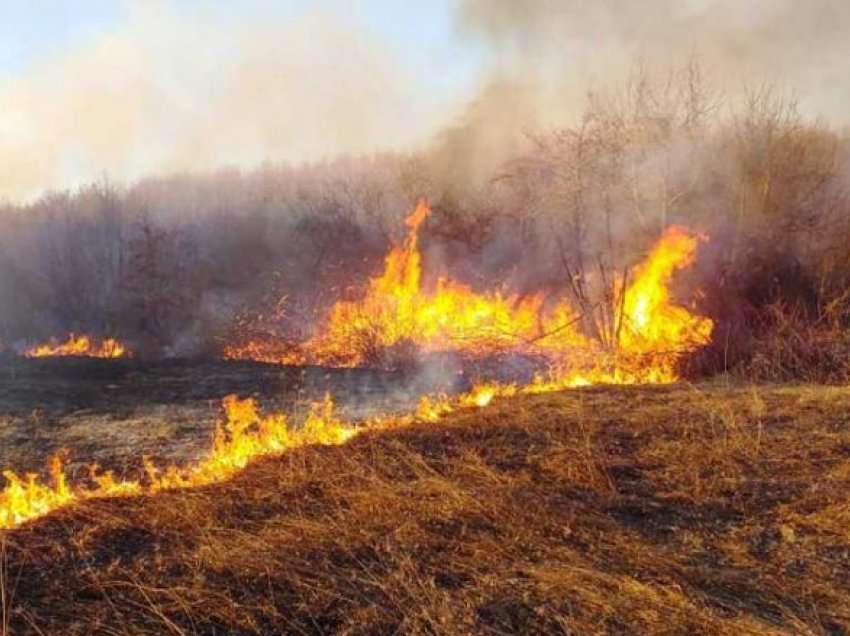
<point x="245" y="435"/>
<point x="652" y="322"/>
<point x="451" y="316"/>
<point x="81" y="346"/>
<point x="652" y="332"/>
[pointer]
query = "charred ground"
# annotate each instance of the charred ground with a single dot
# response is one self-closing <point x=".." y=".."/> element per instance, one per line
<point x="114" y="411"/>
<point x="678" y="509"/>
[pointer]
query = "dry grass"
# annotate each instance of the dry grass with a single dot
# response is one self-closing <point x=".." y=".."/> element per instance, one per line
<point x="655" y="510"/>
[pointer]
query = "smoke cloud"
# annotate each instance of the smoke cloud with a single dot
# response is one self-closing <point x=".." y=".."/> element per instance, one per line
<point x="548" y="55"/>
<point x="174" y="92"/>
<point x="801" y="45"/>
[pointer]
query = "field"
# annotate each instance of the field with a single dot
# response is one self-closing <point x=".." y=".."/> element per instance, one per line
<point x="678" y="509"/>
<point x="114" y="411"/>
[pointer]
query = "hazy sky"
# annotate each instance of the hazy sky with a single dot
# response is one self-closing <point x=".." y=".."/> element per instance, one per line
<point x="133" y="87"/>
<point x="35" y="31"/>
<point x="130" y="88"/>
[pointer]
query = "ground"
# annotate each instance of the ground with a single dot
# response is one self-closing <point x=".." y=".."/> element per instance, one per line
<point x="709" y="509"/>
<point x="114" y="411"/>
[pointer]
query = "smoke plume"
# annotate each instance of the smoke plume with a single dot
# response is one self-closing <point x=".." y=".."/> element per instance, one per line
<point x="548" y="55"/>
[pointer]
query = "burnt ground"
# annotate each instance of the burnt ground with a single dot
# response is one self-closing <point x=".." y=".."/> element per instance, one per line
<point x="114" y="411"/>
<point x="607" y="510"/>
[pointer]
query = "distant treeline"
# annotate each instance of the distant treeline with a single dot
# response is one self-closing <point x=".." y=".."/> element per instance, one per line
<point x="175" y="265"/>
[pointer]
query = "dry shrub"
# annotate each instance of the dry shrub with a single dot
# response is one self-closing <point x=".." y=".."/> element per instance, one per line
<point x="787" y="345"/>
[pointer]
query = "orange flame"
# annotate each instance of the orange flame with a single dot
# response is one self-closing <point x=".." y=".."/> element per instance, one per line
<point x="652" y="322"/>
<point x="245" y="435"/>
<point x="396" y="310"/>
<point x="652" y="332"/>
<point x="80" y="346"/>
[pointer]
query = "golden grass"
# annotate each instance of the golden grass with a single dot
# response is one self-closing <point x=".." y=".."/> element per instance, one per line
<point x="607" y="510"/>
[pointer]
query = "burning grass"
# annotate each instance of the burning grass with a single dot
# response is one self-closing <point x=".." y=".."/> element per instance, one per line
<point x="82" y="346"/>
<point x="245" y="435"/>
<point x="612" y="510"/>
<point x="652" y="333"/>
<point x="489" y="524"/>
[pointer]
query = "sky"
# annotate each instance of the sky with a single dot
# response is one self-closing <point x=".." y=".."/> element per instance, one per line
<point x="37" y="30"/>
<point x="136" y="88"/>
<point x="128" y="88"/>
<point x="32" y="31"/>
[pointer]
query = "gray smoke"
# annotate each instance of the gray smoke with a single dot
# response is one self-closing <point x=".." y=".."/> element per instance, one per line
<point x="549" y="55"/>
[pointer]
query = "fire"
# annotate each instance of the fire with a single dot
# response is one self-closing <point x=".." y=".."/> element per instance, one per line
<point x="270" y="351"/>
<point x="431" y="408"/>
<point x="80" y="346"/>
<point x="396" y="310"/>
<point x="652" y="322"/>
<point x="482" y="394"/>
<point x="650" y="332"/>
<point x="25" y="498"/>
<point x="246" y="434"/>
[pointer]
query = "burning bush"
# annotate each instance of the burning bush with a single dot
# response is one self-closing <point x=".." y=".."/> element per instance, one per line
<point x="400" y="316"/>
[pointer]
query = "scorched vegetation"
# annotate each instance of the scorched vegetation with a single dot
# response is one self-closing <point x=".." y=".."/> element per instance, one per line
<point x="622" y="510"/>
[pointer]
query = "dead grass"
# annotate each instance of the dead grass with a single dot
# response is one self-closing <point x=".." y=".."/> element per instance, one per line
<point x="624" y="511"/>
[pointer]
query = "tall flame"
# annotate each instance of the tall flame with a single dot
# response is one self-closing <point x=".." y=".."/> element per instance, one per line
<point x="652" y="332"/>
<point x="397" y="310"/>
<point x="652" y="322"/>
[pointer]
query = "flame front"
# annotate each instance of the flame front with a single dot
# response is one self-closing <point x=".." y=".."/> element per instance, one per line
<point x="651" y="332"/>
<point x="80" y="346"/>
<point x="245" y="435"/>
<point x="396" y="310"/>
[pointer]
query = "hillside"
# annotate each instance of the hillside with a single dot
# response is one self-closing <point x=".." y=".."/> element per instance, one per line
<point x="601" y="510"/>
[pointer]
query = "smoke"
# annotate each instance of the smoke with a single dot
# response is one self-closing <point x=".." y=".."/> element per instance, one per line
<point x="176" y="91"/>
<point x="802" y="45"/>
<point x="548" y="55"/>
<point x="187" y="91"/>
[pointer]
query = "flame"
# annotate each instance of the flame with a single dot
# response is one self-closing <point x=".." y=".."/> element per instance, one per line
<point x="652" y="322"/>
<point x="482" y="394"/>
<point x="432" y="407"/>
<point x="651" y="333"/>
<point x="245" y="435"/>
<point x="396" y="310"/>
<point x="80" y="346"/>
